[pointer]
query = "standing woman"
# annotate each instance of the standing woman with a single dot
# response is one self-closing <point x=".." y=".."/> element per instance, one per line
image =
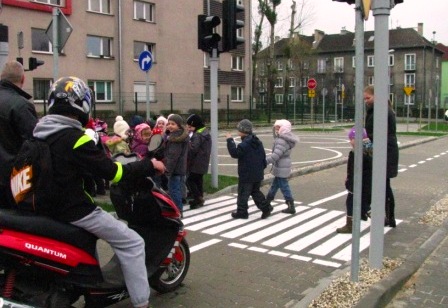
<point x="392" y="151"/>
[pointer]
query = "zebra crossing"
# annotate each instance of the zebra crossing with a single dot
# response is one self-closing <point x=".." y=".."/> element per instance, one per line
<point x="309" y="235"/>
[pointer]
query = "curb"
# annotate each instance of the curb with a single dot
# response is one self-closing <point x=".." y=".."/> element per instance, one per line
<point x="380" y="294"/>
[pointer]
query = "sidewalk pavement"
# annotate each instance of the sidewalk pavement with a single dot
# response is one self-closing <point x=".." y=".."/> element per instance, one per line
<point x="428" y="259"/>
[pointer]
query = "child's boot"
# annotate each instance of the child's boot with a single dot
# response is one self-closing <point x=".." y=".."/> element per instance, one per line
<point x="347" y="228"/>
<point x="291" y="207"/>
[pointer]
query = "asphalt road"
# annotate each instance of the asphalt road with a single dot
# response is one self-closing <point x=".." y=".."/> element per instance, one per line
<point x="279" y="261"/>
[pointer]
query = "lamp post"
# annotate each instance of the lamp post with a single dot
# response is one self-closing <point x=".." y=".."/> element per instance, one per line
<point x="432" y="77"/>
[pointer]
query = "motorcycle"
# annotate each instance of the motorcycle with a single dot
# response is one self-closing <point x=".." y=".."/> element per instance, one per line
<point x="47" y="263"/>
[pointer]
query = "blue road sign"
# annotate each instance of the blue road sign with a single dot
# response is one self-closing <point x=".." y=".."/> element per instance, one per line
<point x="145" y="60"/>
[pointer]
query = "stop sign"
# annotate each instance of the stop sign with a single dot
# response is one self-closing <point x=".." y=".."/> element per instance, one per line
<point x="312" y="83"/>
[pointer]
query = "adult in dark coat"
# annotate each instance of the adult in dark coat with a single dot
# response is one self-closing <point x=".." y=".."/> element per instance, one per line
<point x="392" y="151"/>
<point x="17" y="121"/>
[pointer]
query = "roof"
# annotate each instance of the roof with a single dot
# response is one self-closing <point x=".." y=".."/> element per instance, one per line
<point x="399" y="38"/>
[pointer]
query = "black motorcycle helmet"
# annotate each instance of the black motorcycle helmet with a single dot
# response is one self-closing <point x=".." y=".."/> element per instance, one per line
<point x="70" y="96"/>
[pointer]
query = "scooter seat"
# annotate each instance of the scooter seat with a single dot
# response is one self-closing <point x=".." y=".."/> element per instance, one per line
<point x="49" y="228"/>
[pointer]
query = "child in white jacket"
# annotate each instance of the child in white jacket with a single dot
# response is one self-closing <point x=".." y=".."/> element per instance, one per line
<point x="284" y="141"/>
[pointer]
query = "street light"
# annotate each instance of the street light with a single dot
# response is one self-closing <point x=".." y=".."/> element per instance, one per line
<point x="432" y="77"/>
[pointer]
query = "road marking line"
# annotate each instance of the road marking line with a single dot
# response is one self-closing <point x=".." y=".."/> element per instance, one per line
<point x="237" y="245"/>
<point x="346" y="253"/>
<point x="295" y="232"/>
<point x="301" y="258"/>
<point x="292" y="221"/>
<point x="335" y="241"/>
<point x="204" y="245"/>
<point x="278" y="253"/>
<point x="326" y="263"/>
<point x="257" y="249"/>
<point x="412" y="166"/>
<point x="315" y="236"/>
<point x="335" y="196"/>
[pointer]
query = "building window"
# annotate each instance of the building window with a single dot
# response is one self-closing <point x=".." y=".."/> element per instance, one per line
<point x="279" y="82"/>
<point x="99" y="6"/>
<point x="280" y="65"/>
<point x="305" y="65"/>
<point x="142" y="46"/>
<point x="321" y="66"/>
<point x="144" y="11"/>
<point x="409" y="80"/>
<point x="40" y="41"/>
<point x="339" y="65"/>
<point x="102" y="89"/>
<point x="237" y="94"/>
<point x="409" y="62"/>
<point x="237" y="63"/>
<point x="370" y="80"/>
<point x="290" y="64"/>
<point x="304" y="82"/>
<point x="41" y="87"/>
<point x="98" y="46"/>
<point x="370" y="61"/>
<point x="292" y="82"/>
<point x="140" y="89"/>
<point x="51" y="2"/>
<point x="279" y="99"/>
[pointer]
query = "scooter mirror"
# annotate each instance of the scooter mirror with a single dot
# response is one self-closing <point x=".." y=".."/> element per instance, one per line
<point x="155" y="142"/>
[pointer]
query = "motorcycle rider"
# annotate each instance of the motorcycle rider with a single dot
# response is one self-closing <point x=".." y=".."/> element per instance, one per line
<point x="74" y="152"/>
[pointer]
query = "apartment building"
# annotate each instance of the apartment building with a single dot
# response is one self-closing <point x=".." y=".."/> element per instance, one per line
<point x="415" y="68"/>
<point x="106" y="41"/>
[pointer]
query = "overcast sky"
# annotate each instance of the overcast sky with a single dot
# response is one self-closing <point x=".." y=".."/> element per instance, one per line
<point x="331" y="16"/>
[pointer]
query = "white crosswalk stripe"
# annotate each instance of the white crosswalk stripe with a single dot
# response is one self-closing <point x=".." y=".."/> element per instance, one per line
<point x="309" y="235"/>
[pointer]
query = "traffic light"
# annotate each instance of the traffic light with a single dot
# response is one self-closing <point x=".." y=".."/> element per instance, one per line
<point x="207" y="38"/>
<point x="231" y="24"/>
<point x="33" y="63"/>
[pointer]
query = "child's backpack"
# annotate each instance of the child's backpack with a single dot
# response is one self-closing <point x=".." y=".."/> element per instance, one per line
<point x="32" y="177"/>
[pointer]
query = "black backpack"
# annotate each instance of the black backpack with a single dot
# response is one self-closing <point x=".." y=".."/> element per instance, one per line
<point x="32" y="177"/>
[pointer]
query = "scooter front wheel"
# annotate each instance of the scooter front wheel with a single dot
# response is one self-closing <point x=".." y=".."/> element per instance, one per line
<point x="169" y="278"/>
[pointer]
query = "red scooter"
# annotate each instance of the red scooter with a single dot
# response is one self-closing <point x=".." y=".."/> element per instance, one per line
<point x="46" y="263"/>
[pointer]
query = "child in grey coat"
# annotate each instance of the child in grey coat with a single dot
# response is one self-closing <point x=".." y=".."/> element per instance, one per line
<point x="280" y="158"/>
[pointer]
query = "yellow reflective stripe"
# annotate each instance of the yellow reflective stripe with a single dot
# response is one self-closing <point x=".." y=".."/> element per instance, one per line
<point x="81" y="141"/>
<point x="119" y="173"/>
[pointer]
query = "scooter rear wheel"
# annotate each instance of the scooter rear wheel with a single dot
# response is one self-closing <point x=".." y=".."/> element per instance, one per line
<point x="169" y="278"/>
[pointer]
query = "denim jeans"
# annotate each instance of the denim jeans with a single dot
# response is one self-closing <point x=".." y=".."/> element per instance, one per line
<point x="175" y="190"/>
<point x="283" y="184"/>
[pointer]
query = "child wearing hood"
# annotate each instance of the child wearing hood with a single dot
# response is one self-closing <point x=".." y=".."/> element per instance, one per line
<point x="280" y="158"/>
<point x="142" y="134"/>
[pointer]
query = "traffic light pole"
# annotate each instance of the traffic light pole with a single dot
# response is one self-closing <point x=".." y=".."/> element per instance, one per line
<point x="214" y="62"/>
<point x="359" y="115"/>
<point x="55" y="44"/>
<point x="381" y="12"/>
